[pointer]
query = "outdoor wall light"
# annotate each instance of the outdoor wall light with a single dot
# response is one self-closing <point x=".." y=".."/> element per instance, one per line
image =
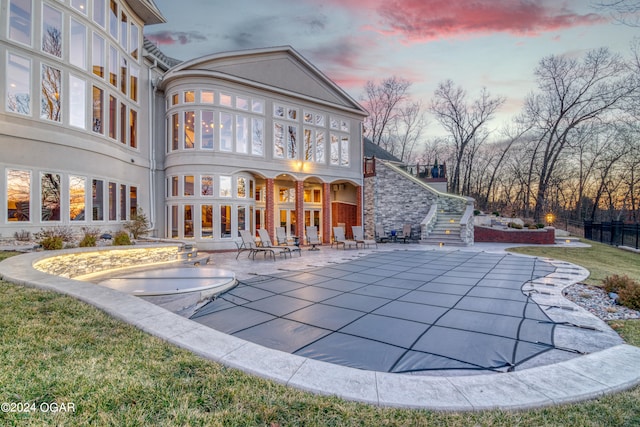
<point x="550" y="218"/>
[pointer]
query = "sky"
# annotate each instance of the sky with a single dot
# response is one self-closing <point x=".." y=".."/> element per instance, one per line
<point x="492" y="44"/>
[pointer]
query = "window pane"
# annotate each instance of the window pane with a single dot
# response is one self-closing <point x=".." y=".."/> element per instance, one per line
<point x="225" y="221"/>
<point x="113" y="19"/>
<point x="98" y="12"/>
<point x="308" y="145"/>
<point x="344" y="151"/>
<point x="78" y="45"/>
<point x="206" y="221"/>
<point x="18" y="195"/>
<point x="335" y="150"/>
<point x="18" y="84"/>
<point x="257" y="106"/>
<point x="76" y="197"/>
<point x="242" y="138"/>
<point x="189" y="96"/>
<point x="123" y="75"/>
<point x="174" y="186"/>
<point x="97" y="56"/>
<point x="207" y="129"/>
<point x="206" y="97"/>
<point x="50" y="196"/>
<point x="225" y="100"/>
<point x="124" y="29"/>
<point x="97" y="197"/>
<point x="292" y="137"/>
<point x="113" y="117"/>
<point x="175" y="131"/>
<point x="242" y="188"/>
<point x="77" y="102"/>
<point x="278" y="140"/>
<point x="206" y="184"/>
<point x="134" y="74"/>
<point x="20" y="17"/>
<point x="188" y="221"/>
<point x="113" y="191"/>
<point x="226" y="132"/>
<point x="52" y="31"/>
<point x="113" y="66"/>
<point x="242" y="103"/>
<point x="133" y="201"/>
<point x="133" y="128"/>
<point x="242" y="215"/>
<point x="123" y="123"/>
<point x="135" y="41"/>
<point x="51" y="90"/>
<point x="97" y="97"/>
<point x="225" y="186"/>
<point x="188" y="185"/>
<point x="257" y="132"/>
<point x="123" y="202"/>
<point x="189" y="129"/>
<point x="320" y="146"/>
<point x="174" y="221"/>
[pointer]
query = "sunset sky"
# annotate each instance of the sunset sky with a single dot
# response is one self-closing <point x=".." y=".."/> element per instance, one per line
<point x="485" y="43"/>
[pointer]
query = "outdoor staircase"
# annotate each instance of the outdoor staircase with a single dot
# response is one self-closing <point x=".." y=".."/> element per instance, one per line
<point x="446" y="230"/>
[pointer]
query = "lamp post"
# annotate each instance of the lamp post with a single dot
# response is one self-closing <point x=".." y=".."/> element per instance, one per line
<point x="550" y="218"/>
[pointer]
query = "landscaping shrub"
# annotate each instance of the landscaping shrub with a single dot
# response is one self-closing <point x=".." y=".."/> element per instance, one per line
<point x="540" y="225"/>
<point x="64" y="233"/>
<point x="616" y="283"/>
<point x="121" y="239"/>
<point x="51" y="243"/>
<point x="495" y="213"/>
<point x="476" y="212"/>
<point x="139" y="224"/>
<point x="22" y="236"/>
<point x="532" y="227"/>
<point x="515" y="225"/>
<point x="90" y="237"/>
<point x="628" y="290"/>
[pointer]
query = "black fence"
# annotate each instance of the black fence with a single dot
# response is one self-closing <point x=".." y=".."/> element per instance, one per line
<point x="615" y="233"/>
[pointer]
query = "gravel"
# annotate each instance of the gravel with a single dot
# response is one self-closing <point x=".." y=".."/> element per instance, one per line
<point x="598" y="302"/>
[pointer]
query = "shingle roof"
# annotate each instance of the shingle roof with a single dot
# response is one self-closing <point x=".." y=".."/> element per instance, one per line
<point x="374" y="150"/>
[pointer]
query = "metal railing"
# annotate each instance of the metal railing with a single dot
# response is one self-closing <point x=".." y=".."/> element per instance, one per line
<point x="615" y="233"/>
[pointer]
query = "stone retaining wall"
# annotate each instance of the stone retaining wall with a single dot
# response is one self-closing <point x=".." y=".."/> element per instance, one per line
<point x="82" y="261"/>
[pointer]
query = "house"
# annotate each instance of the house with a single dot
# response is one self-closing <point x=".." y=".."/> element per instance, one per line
<point x="97" y="122"/>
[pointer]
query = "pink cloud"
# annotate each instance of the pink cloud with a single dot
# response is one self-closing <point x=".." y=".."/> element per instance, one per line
<point x="175" y="37"/>
<point x="420" y="20"/>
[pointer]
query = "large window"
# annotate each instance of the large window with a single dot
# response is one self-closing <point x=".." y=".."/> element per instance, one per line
<point x="78" y="45"/>
<point x="97" y="55"/>
<point x="242" y="137"/>
<point x="113" y="207"/>
<point x="51" y="92"/>
<point x="113" y="66"/>
<point x="113" y="117"/>
<point x="20" y="16"/>
<point x="18" y="195"/>
<point x="206" y="184"/>
<point x="97" y="199"/>
<point x="18" y="84"/>
<point x="133" y="128"/>
<point x="225" y="186"/>
<point x="207" y="130"/>
<point x="189" y="129"/>
<point x="123" y="202"/>
<point x="77" y="190"/>
<point x="134" y="74"/>
<point x="257" y="137"/>
<point x="77" y="102"/>
<point x="188" y="220"/>
<point x="52" y="31"/>
<point x="50" y="196"/>
<point x="99" y="7"/>
<point x="113" y="19"/>
<point x="97" y="109"/>
<point x="226" y="132"/>
<point x="135" y="40"/>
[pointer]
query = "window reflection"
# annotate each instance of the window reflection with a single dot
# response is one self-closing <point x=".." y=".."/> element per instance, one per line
<point x="18" y="195"/>
<point x="77" y="186"/>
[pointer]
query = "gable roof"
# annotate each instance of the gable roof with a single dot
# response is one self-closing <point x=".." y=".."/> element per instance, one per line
<point x="279" y="69"/>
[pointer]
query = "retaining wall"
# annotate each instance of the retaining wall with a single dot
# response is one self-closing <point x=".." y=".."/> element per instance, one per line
<point x="545" y="236"/>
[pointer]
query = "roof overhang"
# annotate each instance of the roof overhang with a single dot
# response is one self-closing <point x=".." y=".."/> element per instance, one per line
<point x="147" y="11"/>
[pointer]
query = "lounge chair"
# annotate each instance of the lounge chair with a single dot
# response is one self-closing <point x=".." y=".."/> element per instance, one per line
<point x="358" y="236"/>
<point x="249" y="245"/>
<point x="265" y="241"/>
<point x="381" y="236"/>
<point x="281" y="237"/>
<point x="312" y="238"/>
<point x="406" y="233"/>
<point x="339" y="239"/>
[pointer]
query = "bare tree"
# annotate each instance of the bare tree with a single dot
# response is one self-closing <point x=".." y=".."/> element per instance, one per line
<point x="624" y="11"/>
<point x="406" y="130"/>
<point x="572" y="93"/>
<point x="462" y="120"/>
<point x="382" y="101"/>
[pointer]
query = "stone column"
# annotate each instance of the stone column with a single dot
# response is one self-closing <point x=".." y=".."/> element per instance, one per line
<point x="358" y="205"/>
<point x="269" y="206"/>
<point x="326" y="213"/>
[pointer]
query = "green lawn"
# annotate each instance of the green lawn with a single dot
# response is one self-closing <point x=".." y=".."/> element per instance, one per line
<point x="57" y="349"/>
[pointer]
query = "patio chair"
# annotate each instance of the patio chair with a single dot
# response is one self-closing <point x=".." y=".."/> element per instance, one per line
<point x="312" y="238"/>
<point x="339" y="239"/>
<point x="265" y="242"/>
<point x="381" y="236"/>
<point x="281" y="237"/>
<point x="249" y="245"/>
<point x="358" y="236"/>
<point x="405" y="234"/>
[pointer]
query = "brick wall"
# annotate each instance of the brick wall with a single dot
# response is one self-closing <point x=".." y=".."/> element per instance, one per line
<point x="495" y="235"/>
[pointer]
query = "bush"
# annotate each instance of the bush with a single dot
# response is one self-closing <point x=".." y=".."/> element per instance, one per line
<point x="515" y="225"/>
<point x="616" y="283"/>
<point x="540" y="225"/>
<point x="628" y="290"/>
<point x="22" y="236"/>
<point x="476" y="212"/>
<point x="90" y="237"/>
<point x="139" y="224"/>
<point x="532" y="227"/>
<point x="121" y="239"/>
<point x="51" y="243"/>
<point x="495" y="213"/>
<point x="64" y="233"/>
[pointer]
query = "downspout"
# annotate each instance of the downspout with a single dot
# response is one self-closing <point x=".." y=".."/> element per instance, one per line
<point x="152" y="147"/>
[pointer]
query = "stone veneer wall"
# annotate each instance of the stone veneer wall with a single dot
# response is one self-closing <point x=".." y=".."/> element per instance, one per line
<point x="82" y="261"/>
<point x="539" y="237"/>
<point x="396" y="200"/>
<point x="369" y="222"/>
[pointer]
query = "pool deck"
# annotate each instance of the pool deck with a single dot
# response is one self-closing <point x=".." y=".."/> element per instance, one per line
<point x="601" y="372"/>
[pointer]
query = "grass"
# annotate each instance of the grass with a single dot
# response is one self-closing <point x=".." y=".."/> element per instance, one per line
<point x="58" y="349"/>
<point x="601" y="260"/>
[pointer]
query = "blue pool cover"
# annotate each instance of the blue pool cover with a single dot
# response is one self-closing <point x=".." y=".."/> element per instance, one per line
<point x="400" y="311"/>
